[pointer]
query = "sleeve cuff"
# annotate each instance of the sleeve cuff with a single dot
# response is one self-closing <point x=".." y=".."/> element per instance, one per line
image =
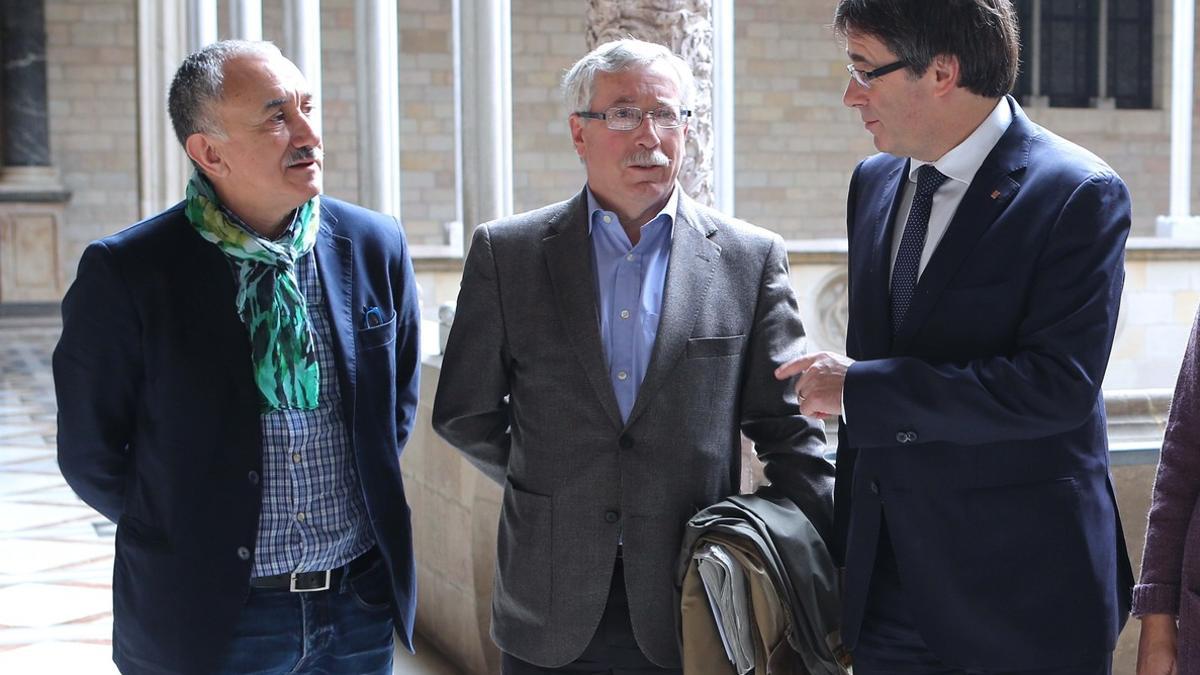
<point x="1155" y="599"/>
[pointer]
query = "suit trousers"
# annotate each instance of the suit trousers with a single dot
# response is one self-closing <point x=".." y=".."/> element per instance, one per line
<point x="613" y="649"/>
<point x="890" y="644"/>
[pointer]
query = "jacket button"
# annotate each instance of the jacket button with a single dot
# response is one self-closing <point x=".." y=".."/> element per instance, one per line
<point x="626" y="441"/>
<point x="243" y="553"/>
<point x="874" y="487"/>
<point x="902" y="437"/>
<point x="252" y="477"/>
<point x="611" y="516"/>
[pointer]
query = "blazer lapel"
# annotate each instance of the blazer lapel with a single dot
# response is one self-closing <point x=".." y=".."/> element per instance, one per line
<point x="569" y="259"/>
<point x="689" y="275"/>
<point x="988" y="195"/>
<point x="874" y="296"/>
<point x="335" y="266"/>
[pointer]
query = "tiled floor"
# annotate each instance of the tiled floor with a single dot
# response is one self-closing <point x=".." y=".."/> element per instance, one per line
<point x="56" y="553"/>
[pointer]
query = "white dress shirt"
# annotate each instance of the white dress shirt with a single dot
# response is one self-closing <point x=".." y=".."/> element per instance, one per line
<point x="960" y="165"/>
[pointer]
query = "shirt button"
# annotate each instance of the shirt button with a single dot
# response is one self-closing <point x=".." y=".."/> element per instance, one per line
<point x="622" y="376"/>
<point x="301" y="517"/>
<point x="295" y="458"/>
<point x="611" y="516"/>
<point x="252" y="477"/>
<point x="624" y="314"/>
<point x="629" y="257"/>
<point x="243" y="553"/>
<point x="608" y="219"/>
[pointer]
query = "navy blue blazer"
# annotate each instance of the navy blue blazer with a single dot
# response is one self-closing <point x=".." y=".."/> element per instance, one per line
<point x="158" y="420"/>
<point x="979" y="432"/>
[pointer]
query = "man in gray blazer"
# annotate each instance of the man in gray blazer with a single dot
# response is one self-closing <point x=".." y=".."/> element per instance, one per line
<point x="606" y="353"/>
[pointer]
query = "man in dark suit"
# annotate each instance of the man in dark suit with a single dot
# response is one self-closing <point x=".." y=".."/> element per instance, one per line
<point x="606" y="354"/>
<point x="236" y="379"/>
<point x="986" y="264"/>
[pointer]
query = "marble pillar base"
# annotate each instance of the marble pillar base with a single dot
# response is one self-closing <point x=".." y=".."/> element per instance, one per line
<point x="32" y="209"/>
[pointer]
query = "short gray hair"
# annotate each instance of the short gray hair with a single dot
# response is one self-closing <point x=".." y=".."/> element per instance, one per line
<point x="579" y="84"/>
<point x="199" y="83"/>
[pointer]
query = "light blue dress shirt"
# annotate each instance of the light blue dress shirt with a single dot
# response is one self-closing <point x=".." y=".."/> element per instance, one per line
<point x="630" y="281"/>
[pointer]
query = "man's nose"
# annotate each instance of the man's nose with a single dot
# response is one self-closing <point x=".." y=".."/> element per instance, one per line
<point x="305" y="133"/>
<point x="647" y="132"/>
<point x="855" y="95"/>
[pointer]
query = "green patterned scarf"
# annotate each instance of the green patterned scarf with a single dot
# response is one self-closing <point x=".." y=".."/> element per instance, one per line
<point x="269" y="300"/>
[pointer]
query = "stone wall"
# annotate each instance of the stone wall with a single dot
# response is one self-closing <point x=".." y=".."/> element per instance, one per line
<point x="91" y="79"/>
<point x="795" y="143"/>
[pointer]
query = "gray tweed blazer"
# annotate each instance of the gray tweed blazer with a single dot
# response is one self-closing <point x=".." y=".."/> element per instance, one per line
<point x="525" y="395"/>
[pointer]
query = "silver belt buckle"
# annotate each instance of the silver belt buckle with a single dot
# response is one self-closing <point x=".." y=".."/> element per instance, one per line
<point x="324" y="587"/>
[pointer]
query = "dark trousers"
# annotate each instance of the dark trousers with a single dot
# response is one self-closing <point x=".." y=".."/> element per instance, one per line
<point x="889" y="643"/>
<point x="613" y="648"/>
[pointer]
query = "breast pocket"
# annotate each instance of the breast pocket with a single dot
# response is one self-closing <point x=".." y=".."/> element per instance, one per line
<point x="711" y="347"/>
<point x="377" y="336"/>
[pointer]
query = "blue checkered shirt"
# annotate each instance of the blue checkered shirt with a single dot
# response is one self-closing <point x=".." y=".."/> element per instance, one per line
<point x="313" y="515"/>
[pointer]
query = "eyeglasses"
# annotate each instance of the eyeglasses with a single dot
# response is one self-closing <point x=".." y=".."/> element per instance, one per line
<point x="623" y="118"/>
<point x="864" y="77"/>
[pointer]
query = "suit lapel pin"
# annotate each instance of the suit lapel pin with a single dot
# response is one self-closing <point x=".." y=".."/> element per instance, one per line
<point x="995" y="193"/>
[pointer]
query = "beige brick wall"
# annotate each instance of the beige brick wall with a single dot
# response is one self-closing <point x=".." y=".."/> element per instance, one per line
<point x="547" y="38"/>
<point x="796" y="144"/>
<point x="91" y="52"/>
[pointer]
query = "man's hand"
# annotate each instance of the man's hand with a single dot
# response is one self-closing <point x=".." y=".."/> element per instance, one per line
<point x="1157" y="645"/>
<point x="819" y="385"/>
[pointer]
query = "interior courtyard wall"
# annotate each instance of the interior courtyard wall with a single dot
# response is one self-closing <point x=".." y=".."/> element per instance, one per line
<point x="91" y="84"/>
<point x="795" y="143"/>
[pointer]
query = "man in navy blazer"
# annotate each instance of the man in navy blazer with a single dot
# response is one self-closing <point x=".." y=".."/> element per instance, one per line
<point x="236" y="379"/>
<point x="974" y="504"/>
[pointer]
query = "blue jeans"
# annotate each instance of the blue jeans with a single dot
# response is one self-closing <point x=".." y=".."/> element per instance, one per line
<point x="346" y="629"/>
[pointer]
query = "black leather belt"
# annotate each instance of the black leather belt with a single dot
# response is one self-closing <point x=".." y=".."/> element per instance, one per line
<point x="307" y="582"/>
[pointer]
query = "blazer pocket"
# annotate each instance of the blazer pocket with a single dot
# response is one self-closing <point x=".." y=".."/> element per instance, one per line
<point x="131" y="529"/>
<point x="709" y="347"/>
<point x="377" y="336"/>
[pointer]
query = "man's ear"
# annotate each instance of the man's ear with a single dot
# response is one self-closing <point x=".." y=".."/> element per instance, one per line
<point x="207" y="155"/>
<point x="577" y="123"/>
<point x="945" y="69"/>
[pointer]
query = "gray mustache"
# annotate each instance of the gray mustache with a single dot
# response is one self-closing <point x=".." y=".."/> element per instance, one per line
<point x="303" y="155"/>
<point x="648" y="158"/>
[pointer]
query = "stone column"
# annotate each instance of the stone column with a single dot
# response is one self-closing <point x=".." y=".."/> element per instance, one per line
<point x="201" y="24"/>
<point x="26" y="137"/>
<point x="163" y="168"/>
<point x="245" y="19"/>
<point x="1179" y="222"/>
<point x="32" y="198"/>
<point x="685" y="26"/>
<point x="484" y="54"/>
<point x="377" y="53"/>
<point x="302" y="43"/>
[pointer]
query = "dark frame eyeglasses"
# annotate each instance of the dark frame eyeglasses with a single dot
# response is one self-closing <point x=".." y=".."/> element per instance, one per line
<point x="864" y="77"/>
<point x="628" y="118"/>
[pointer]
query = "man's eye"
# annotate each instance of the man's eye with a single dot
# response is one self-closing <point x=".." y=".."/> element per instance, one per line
<point x="623" y="113"/>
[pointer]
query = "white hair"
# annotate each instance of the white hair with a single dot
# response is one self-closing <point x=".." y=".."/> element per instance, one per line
<point x="579" y="84"/>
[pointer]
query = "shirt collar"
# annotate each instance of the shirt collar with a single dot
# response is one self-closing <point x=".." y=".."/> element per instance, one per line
<point x="963" y="160"/>
<point x="668" y="210"/>
<point x="285" y="234"/>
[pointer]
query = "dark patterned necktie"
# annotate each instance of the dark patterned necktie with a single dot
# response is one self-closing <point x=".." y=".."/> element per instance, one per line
<point x="912" y="243"/>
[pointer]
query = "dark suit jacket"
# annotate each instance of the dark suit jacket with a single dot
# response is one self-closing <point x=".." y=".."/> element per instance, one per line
<point x="526" y="395"/>
<point x="979" y="431"/>
<point x="158" y="425"/>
